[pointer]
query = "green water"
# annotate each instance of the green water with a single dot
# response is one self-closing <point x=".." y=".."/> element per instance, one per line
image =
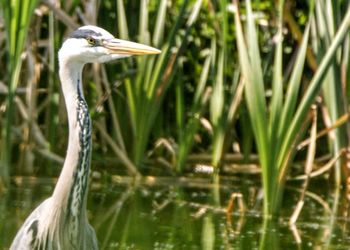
<point x="189" y="216"/>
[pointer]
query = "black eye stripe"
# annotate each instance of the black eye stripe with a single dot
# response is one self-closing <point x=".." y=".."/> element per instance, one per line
<point x="84" y="33"/>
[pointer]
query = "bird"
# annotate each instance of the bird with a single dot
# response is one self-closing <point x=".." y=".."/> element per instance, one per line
<point x="60" y="222"/>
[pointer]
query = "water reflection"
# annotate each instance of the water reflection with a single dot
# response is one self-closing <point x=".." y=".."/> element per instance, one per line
<point x="187" y="216"/>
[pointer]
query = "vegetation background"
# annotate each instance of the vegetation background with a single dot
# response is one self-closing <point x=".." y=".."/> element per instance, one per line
<point x="231" y="89"/>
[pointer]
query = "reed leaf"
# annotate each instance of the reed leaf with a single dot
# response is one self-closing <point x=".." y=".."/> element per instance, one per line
<point x="314" y="86"/>
<point x="146" y="90"/>
<point x="217" y="110"/>
<point x="286" y="120"/>
<point x="17" y="17"/>
<point x="187" y="132"/>
<point x="277" y="82"/>
<point x="294" y="86"/>
<point x="122" y="22"/>
<point x="335" y="101"/>
<point x="160" y="24"/>
<point x="255" y="95"/>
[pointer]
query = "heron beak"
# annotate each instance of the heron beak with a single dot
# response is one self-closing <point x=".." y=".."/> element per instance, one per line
<point x="118" y="46"/>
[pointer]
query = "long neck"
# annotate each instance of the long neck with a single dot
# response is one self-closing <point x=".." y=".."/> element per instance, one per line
<point x="71" y="189"/>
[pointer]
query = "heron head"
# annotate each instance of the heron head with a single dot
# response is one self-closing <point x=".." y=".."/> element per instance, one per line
<point x="90" y="44"/>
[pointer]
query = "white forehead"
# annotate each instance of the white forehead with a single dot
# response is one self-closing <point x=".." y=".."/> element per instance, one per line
<point x="102" y="33"/>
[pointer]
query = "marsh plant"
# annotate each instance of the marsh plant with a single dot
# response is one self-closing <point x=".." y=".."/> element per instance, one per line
<point x="232" y="80"/>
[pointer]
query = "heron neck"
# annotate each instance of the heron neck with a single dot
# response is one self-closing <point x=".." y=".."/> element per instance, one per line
<point x="71" y="188"/>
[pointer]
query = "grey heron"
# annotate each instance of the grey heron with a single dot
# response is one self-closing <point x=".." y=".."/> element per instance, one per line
<point x="60" y="222"/>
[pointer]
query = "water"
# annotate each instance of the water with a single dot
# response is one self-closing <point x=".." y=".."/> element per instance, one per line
<point x="187" y="215"/>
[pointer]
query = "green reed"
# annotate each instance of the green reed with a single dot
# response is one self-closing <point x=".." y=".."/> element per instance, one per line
<point x="152" y="86"/>
<point x="17" y="17"/>
<point x="326" y="20"/>
<point x="146" y="90"/>
<point x="278" y="126"/>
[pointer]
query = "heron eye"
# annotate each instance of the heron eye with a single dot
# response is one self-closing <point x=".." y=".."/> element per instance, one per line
<point x="91" y="40"/>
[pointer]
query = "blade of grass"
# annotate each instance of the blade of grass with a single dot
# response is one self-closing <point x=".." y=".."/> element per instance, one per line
<point x="217" y="110"/>
<point x="277" y="85"/>
<point x="142" y="127"/>
<point x="332" y="89"/>
<point x="160" y="23"/>
<point x="293" y="86"/>
<point x="314" y="87"/>
<point x="162" y="74"/>
<point x="17" y="18"/>
<point x="187" y="132"/>
<point x="255" y="95"/>
<point x="122" y="23"/>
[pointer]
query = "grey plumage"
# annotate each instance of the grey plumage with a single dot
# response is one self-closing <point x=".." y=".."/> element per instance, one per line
<point x="60" y="222"/>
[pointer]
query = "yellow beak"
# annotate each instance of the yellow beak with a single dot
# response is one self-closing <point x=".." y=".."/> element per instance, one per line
<point x="118" y="46"/>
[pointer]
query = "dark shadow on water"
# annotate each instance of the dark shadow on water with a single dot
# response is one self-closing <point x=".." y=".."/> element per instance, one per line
<point x="183" y="214"/>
